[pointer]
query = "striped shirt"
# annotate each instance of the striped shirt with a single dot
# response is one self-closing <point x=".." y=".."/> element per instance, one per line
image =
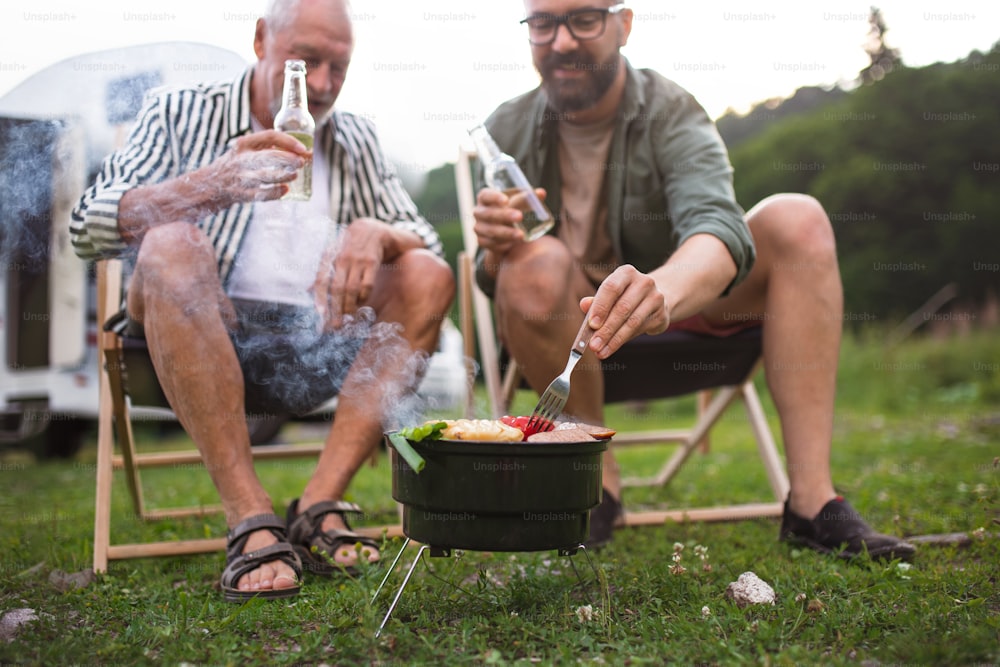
<point x="183" y="129"/>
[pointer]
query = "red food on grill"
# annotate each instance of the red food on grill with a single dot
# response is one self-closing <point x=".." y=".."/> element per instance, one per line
<point x="561" y="432"/>
<point x="522" y="424"/>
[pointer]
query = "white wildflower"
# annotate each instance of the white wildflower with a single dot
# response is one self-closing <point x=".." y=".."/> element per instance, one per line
<point x="585" y="613"/>
<point x="706" y="612"/>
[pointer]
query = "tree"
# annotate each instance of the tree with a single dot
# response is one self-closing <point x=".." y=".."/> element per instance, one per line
<point x="909" y="171"/>
<point x="884" y="59"/>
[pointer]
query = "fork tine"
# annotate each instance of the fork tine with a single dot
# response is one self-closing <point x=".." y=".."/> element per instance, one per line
<point x="553" y="400"/>
<point x="547" y="410"/>
<point x="553" y="407"/>
<point x="538" y="414"/>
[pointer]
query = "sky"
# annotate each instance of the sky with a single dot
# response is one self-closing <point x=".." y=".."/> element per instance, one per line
<point x="426" y="72"/>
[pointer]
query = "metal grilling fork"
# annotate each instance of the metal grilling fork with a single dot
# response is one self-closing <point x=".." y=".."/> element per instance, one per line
<point x="553" y="399"/>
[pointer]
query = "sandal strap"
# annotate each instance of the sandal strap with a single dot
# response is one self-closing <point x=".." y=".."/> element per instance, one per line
<point x="338" y="538"/>
<point x="322" y="508"/>
<point x="239" y="564"/>
<point x="252" y="524"/>
<point x="240" y="533"/>
<point x="306" y="528"/>
<point x="302" y="527"/>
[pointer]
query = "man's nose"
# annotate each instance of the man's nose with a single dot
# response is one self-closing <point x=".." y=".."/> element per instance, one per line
<point x="320" y="80"/>
<point x="564" y="40"/>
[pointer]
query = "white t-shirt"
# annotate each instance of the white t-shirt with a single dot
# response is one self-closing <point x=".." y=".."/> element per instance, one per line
<point x="284" y="242"/>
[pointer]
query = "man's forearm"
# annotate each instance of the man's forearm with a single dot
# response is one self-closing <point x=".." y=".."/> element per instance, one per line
<point x="695" y="275"/>
<point x="187" y="198"/>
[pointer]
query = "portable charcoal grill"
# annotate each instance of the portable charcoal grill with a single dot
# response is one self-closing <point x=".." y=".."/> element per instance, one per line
<point x="495" y="496"/>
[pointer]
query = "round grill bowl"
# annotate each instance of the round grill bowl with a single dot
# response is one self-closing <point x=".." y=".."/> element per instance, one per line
<point x="499" y="496"/>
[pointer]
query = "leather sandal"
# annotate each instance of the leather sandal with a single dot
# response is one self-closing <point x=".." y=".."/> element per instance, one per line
<point x="316" y="547"/>
<point x="239" y="563"/>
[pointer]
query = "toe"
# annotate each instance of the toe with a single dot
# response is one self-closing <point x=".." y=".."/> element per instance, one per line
<point x="271" y="575"/>
<point x="346" y="556"/>
<point x="284" y="581"/>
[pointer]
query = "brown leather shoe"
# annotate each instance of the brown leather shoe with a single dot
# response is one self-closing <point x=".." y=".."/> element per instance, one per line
<point x="838" y="529"/>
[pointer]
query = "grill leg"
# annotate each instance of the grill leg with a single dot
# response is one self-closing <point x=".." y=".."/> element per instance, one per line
<point x="399" y="593"/>
<point x="390" y="569"/>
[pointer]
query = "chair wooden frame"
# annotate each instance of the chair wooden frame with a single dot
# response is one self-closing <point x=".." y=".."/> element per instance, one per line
<point x="115" y="424"/>
<point x="476" y="314"/>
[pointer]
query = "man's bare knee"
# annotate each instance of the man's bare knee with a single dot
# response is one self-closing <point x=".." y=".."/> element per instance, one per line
<point x="175" y="261"/>
<point x="536" y="275"/>
<point x="792" y="225"/>
<point x="176" y="243"/>
<point x="422" y="277"/>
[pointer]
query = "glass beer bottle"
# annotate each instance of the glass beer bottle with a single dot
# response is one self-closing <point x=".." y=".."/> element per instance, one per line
<point x="502" y="173"/>
<point x="295" y="119"/>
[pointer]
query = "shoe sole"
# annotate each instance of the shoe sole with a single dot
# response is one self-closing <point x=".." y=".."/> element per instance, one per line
<point x="879" y="554"/>
<point x="238" y="596"/>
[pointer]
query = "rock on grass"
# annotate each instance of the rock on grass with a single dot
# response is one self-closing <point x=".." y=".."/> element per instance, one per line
<point x="13" y="621"/>
<point x="750" y="589"/>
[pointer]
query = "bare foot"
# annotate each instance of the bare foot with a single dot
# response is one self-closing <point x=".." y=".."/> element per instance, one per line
<point x="273" y="575"/>
<point x="347" y="554"/>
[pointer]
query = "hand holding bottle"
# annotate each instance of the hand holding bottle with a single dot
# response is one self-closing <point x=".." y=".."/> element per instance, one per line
<point x="258" y="167"/>
<point x="498" y="221"/>
<point x="503" y="173"/>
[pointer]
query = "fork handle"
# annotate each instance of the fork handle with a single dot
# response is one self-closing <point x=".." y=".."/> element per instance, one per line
<point x="583" y="337"/>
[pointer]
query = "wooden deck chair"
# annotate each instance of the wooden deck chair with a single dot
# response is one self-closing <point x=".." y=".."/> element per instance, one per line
<point x="127" y="378"/>
<point x="649" y="367"/>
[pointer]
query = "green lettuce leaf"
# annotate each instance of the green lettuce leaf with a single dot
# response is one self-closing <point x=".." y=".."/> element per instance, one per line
<point x="427" y="431"/>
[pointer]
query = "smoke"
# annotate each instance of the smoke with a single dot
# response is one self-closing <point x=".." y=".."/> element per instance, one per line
<point x="291" y="365"/>
<point x="402" y="405"/>
<point x="27" y="161"/>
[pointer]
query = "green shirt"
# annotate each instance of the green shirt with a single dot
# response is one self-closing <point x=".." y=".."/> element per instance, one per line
<point x="668" y="172"/>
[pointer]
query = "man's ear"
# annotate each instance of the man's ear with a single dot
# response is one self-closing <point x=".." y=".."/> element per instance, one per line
<point x="626" y="18"/>
<point x="258" y="38"/>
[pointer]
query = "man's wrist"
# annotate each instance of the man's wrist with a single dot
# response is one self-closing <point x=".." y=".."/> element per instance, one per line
<point x="491" y="263"/>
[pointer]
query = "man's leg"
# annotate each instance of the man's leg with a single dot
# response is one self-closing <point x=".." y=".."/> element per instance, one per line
<point x="416" y="291"/>
<point x="795" y="289"/>
<point x="176" y="294"/>
<point x="538" y="294"/>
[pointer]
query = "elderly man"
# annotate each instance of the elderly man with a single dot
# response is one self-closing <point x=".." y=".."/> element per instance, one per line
<point x="650" y="237"/>
<point x="250" y="303"/>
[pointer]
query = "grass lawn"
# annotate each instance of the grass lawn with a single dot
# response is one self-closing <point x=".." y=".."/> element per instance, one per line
<point x="916" y="451"/>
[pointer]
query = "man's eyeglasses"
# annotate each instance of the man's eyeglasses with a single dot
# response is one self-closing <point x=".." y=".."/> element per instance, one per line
<point x="583" y="24"/>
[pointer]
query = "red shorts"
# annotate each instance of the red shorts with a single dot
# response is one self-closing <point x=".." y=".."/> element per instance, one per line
<point x="699" y="325"/>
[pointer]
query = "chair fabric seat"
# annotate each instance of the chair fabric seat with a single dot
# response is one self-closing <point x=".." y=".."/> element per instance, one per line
<point x="676" y="363"/>
<point x="141" y="383"/>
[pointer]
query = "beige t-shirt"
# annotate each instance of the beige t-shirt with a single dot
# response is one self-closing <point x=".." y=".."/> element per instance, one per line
<point x="583" y="163"/>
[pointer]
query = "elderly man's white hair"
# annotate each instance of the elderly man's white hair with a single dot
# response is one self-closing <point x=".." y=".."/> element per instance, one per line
<point x="280" y="12"/>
